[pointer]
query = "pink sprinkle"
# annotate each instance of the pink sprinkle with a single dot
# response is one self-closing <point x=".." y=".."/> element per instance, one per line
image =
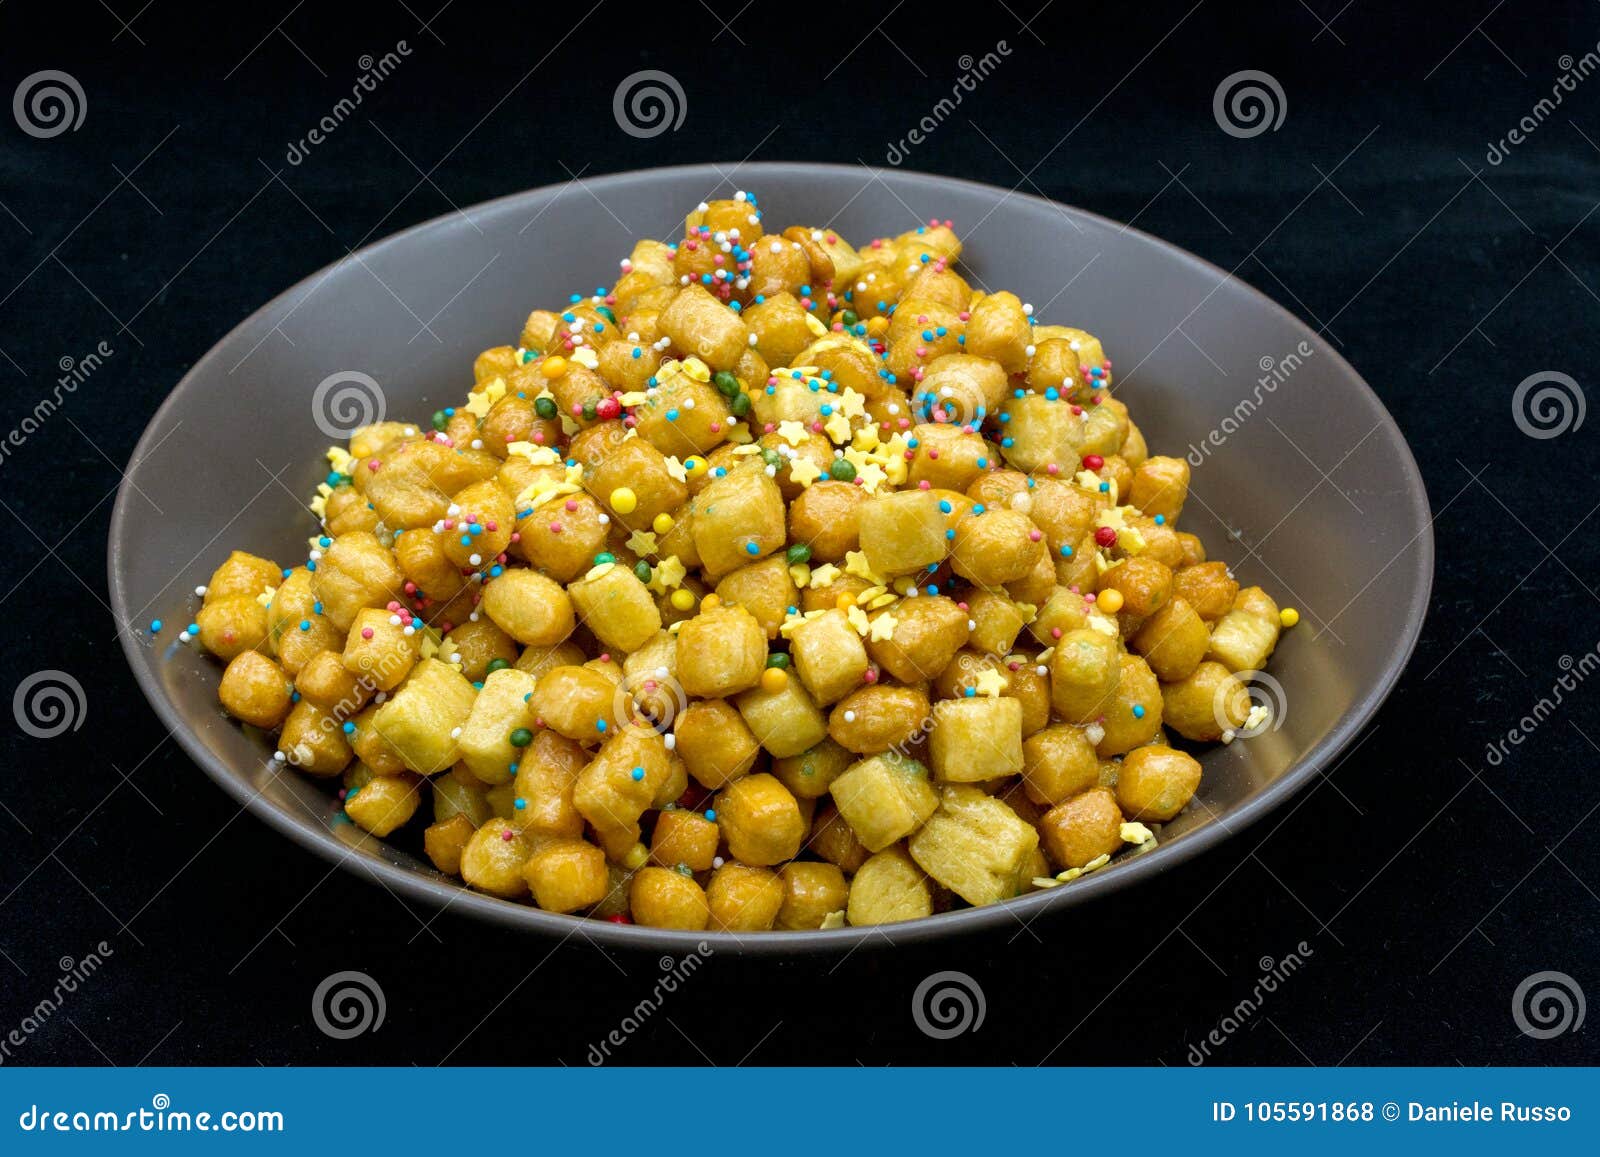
<point x="871" y="675"/>
<point x="1034" y="536"/>
<point x="555" y="528"/>
<point x="449" y="524"/>
<point x="924" y="485"/>
<point x="366" y="632"/>
<point x="1055" y="632"/>
<point x="506" y="835"/>
<point x="1052" y="468"/>
<point x="491" y="526"/>
<point x="933" y="453"/>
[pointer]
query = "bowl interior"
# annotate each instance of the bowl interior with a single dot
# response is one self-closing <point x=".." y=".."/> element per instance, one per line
<point x="1302" y="482"/>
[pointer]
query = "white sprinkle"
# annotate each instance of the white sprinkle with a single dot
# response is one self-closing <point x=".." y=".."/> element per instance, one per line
<point x="394" y="620"/>
<point x="475" y="559"/>
<point x="455" y="733"/>
<point x="201" y="591"/>
<point x="672" y="742"/>
<point x="849" y="716"/>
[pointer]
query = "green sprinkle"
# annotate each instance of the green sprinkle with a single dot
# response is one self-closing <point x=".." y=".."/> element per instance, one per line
<point x="778" y="659"/>
<point x="545" y="407"/>
<point x="605" y="312"/>
<point x="604" y="556"/>
<point x="496" y="665"/>
<point x="798" y="553"/>
<point x="842" y="470"/>
<point x="521" y="737"/>
<point x="727" y="385"/>
<point x="849" y="317"/>
<point x="440" y="421"/>
<point x="740" y="405"/>
<point x="641" y="571"/>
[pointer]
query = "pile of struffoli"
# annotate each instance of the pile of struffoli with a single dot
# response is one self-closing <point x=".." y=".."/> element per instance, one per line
<point x="782" y="584"/>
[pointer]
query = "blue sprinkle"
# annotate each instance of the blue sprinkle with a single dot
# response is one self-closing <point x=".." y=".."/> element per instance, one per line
<point x="638" y="773"/>
<point x="1138" y="711"/>
<point x="155" y="626"/>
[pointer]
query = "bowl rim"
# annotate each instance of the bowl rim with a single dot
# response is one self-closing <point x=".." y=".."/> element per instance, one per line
<point x="1024" y="910"/>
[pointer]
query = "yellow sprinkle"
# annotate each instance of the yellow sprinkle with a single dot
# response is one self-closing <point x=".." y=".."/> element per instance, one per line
<point x="663" y="522"/>
<point x="877" y="326"/>
<point x="845" y="601"/>
<point x="642" y="543"/>
<point x="710" y="603"/>
<point x="682" y="599"/>
<point x="623" y="500"/>
<point x="881" y="629"/>
<point x="600" y="571"/>
<point x="823" y="576"/>
<point x="774" y="679"/>
<point x="804" y="471"/>
<point x="553" y="367"/>
<point x="991" y="683"/>
<point x="636" y="857"/>
<point x="1109" y="601"/>
<point x="1288" y="616"/>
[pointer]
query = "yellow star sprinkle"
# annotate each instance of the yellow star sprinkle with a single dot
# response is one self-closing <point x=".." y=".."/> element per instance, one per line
<point x="882" y="628"/>
<point x="675" y="468"/>
<point x="855" y="562"/>
<point x="800" y="574"/>
<point x="851" y="404"/>
<point x="642" y="543"/>
<point x="837" y="427"/>
<point x="793" y="432"/>
<point x="991" y="683"/>
<point x="804" y="471"/>
<point x="871" y="476"/>
<point x="670" y="572"/>
<point x="858" y="620"/>
<point x="823" y="576"/>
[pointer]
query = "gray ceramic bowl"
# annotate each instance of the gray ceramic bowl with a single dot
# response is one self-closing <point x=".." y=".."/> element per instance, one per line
<point x="1199" y="357"/>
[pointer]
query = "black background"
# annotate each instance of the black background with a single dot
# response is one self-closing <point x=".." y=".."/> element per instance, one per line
<point x="1424" y="883"/>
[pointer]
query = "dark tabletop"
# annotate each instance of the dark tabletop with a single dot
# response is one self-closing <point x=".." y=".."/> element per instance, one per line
<point x="1388" y="914"/>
